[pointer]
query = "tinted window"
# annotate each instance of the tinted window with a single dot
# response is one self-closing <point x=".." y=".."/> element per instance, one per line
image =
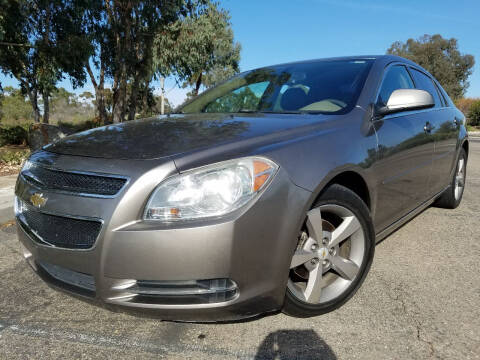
<point x="423" y="82"/>
<point x="325" y="86"/>
<point x="397" y="77"/>
<point x="440" y="95"/>
<point x="445" y="95"/>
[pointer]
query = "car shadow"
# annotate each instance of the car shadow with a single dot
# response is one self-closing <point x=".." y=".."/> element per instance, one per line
<point x="294" y="344"/>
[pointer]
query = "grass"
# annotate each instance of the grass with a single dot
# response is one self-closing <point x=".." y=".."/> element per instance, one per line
<point x="473" y="128"/>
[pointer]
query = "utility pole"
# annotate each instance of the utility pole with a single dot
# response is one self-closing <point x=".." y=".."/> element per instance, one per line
<point x="162" y="95"/>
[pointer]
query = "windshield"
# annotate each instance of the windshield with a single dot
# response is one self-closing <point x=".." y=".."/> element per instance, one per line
<point x="323" y="86"/>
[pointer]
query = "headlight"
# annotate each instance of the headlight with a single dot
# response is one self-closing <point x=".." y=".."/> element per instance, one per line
<point x="27" y="165"/>
<point x="212" y="190"/>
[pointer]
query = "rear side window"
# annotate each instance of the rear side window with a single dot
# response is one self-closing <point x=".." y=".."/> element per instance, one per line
<point x="423" y="82"/>
<point x="397" y="77"/>
<point x="445" y="95"/>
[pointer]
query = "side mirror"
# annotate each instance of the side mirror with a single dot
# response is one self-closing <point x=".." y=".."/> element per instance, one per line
<point x="406" y="99"/>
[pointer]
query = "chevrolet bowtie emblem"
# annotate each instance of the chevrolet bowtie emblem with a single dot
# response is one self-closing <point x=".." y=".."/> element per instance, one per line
<point x="38" y="200"/>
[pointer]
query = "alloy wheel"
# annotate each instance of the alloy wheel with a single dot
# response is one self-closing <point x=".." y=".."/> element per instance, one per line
<point x="329" y="255"/>
<point x="460" y="178"/>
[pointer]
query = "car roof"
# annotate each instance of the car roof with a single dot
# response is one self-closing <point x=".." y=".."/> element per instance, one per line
<point x="379" y="58"/>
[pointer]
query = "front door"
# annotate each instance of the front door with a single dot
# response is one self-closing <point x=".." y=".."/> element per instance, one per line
<point x="405" y="152"/>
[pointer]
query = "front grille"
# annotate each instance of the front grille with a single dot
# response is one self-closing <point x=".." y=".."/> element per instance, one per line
<point x="87" y="184"/>
<point x="57" y="231"/>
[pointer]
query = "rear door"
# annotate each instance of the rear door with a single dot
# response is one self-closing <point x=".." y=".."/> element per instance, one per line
<point x="444" y="131"/>
<point x="405" y="152"/>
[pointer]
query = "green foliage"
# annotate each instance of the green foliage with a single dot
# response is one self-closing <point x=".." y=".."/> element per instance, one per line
<point x="198" y="49"/>
<point x="474" y="114"/>
<point x="13" y="156"/>
<point x="42" y="41"/>
<point x="124" y="34"/>
<point x="464" y="104"/>
<point x="13" y="134"/>
<point x="14" y="107"/>
<point x="66" y="106"/>
<point x="441" y="58"/>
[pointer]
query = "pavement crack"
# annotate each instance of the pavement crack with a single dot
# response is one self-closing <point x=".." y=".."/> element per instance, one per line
<point x="417" y="323"/>
<point x="399" y="298"/>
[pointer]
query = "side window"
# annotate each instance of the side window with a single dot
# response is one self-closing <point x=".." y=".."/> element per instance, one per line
<point x="448" y="101"/>
<point x="440" y="95"/>
<point x="245" y="98"/>
<point x="423" y="82"/>
<point x="397" y="77"/>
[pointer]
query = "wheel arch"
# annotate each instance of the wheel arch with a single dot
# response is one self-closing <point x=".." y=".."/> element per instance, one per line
<point x="353" y="181"/>
<point x="465" y="146"/>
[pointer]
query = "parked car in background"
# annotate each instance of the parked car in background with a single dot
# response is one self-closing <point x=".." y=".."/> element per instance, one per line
<point x="266" y="192"/>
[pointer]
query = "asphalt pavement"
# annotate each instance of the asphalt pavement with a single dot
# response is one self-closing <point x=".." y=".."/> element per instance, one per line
<point x="421" y="300"/>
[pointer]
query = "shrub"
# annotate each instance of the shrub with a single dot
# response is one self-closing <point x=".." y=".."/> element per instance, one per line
<point x="13" y="134"/>
<point x="72" y="127"/>
<point x="464" y="104"/>
<point x="474" y="114"/>
<point x="13" y="157"/>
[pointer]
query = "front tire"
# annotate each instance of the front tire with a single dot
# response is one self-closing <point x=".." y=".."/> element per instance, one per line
<point x="333" y="256"/>
<point x="453" y="195"/>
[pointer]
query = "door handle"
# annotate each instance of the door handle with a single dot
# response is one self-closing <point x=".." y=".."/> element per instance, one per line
<point x="456" y="121"/>
<point x="427" y="128"/>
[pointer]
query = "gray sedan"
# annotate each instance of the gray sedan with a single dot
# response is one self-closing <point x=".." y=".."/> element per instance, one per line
<point x="265" y="193"/>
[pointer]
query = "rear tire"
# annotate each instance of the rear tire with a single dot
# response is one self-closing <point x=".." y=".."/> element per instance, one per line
<point x="341" y="259"/>
<point x="453" y="195"/>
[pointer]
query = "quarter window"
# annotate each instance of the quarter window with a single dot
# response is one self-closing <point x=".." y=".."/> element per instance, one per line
<point x="397" y="77"/>
<point x="423" y="82"/>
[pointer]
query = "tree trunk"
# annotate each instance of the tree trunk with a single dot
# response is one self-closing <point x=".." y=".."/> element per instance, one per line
<point x="33" y="97"/>
<point x="122" y="48"/>
<point x="99" y="92"/>
<point x="162" y="96"/>
<point x="133" y="98"/>
<point x="46" y="107"/>
<point x="197" y="85"/>
<point x="119" y="98"/>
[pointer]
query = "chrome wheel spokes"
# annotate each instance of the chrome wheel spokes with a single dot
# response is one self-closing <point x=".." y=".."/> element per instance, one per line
<point x="460" y="178"/>
<point x="330" y="257"/>
<point x="349" y="225"/>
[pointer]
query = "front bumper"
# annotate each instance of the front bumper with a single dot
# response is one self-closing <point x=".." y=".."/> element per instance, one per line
<point x="248" y="251"/>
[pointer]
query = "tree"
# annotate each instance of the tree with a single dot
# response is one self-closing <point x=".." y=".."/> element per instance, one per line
<point x="198" y="49"/>
<point x="124" y="37"/>
<point x="40" y="41"/>
<point x="441" y="58"/>
<point x="14" y="107"/>
<point x="474" y="114"/>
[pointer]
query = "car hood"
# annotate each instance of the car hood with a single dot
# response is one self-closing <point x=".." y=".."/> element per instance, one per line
<point x="165" y="136"/>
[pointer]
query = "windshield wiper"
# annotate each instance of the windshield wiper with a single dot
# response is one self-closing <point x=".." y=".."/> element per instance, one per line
<point x="303" y="112"/>
<point x="247" y="111"/>
<point x="281" y="112"/>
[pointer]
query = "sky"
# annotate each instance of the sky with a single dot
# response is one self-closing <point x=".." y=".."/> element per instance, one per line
<point x="277" y="31"/>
